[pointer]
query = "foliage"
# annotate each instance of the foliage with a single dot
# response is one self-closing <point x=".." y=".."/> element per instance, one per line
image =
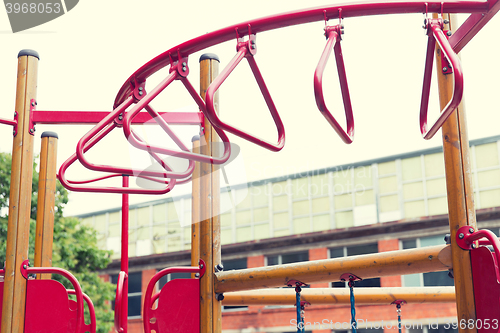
<point x="74" y="249"/>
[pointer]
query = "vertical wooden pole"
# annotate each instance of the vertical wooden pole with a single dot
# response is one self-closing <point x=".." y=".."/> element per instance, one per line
<point x="46" y="202"/>
<point x="195" y="210"/>
<point x="124" y="254"/>
<point x="14" y="293"/>
<point x="209" y="202"/>
<point x="461" y="211"/>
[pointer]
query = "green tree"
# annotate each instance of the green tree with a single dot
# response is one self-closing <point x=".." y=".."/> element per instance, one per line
<point x="75" y="246"/>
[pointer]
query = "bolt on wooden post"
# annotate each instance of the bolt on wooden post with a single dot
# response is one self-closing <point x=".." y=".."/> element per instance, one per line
<point x="14" y="293"/>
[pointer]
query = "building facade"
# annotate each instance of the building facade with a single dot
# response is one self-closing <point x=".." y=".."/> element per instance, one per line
<point x="391" y="203"/>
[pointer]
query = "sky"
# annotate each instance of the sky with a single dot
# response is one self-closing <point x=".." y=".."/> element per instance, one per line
<point x="88" y="53"/>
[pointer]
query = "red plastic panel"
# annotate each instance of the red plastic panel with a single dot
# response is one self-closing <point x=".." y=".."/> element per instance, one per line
<point x="178" y="307"/>
<point x="48" y="308"/>
<point x="1" y="299"/>
<point x="486" y="290"/>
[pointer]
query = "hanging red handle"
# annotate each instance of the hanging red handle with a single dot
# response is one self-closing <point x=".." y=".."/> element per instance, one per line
<point x="122" y="276"/>
<point x="333" y="42"/>
<point x="245" y="50"/>
<point x="178" y="71"/>
<point x="436" y="34"/>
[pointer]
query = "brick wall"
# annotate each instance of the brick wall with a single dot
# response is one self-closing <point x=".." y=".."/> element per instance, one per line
<point x="386" y="245"/>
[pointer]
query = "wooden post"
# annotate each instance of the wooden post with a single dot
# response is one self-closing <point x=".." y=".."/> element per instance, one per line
<point x="461" y="210"/>
<point x="14" y="292"/>
<point x="195" y="210"/>
<point x="46" y="202"/>
<point x="210" y="310"/>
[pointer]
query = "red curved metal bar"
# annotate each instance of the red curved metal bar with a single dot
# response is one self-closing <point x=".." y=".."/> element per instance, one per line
<point x="178" y="71"/>
<point x="295" y="18"/>
<point x="246" y="49"/>
<point x="74" y="282"/>
<point x="95" y="134"/>
<point x="122" y="276"/>
<point x="435" y="33"/>
<point x="333" y="35"/>
<point x="468" y="238"/>
<point x="92" y="327"/>
<point x="149" y="300"/>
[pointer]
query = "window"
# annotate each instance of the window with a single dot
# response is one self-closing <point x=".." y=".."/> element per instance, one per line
<point x="432" y="279"/>
<point x="173" y="276"/>
<point x="289" y="258"/>
<point x="354" y="251"/>
<point x="230" y="265"/>
<point x="134" y="293"/>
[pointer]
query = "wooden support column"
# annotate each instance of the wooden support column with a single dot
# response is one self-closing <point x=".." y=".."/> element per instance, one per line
<point x="46" y="202"/>
<point x="209" y="202"/>
<point x="461" y="211"/>
<point x="195" y="210"/>
<point x="14" y="293"/>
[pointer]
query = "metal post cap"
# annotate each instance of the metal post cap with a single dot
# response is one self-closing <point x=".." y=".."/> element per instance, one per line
<point x="28" y="52"/>
<point x="208" y="56"/>
<point x="49" y="134"/>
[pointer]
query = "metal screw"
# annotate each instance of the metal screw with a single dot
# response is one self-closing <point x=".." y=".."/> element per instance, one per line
<point x="445" y="69"/>
<point x="32" y="130"/>
<point x="184" y="64"/>
<point x="201" y="265"/>
<point x="140" y="93"/>
<point x="449" y="33"/>
<point x="25" y="267"/>
<point x="219" y="267"/>
<point x="461" y="235"/>
<point x="219" y="297"/>
<point x="183" y="69"/>
<point x="473" y="245"/>
<point x="141" y="88"/>
<point x="446" y="21"/>
<point x="197" y="275"/>
<point x="120" y="117"/>
<point x="15" y="113"/>
<point x="14" y="132"/>
<point x="32" y="103"/>
<point x="254" y="46"/>
<point x="471" y="230"/>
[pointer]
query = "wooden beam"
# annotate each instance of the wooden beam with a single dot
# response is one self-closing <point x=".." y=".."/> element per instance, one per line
<point x="14" y="292"/>
<point x="364" y="296"/>
<point x="419" y="260"/>
<point x="461" y="209"/>
<point x="45" y="210"/>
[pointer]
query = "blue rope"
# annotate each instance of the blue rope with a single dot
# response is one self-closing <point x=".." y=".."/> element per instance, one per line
<point x="300" y="324"/>
<point x="353" y="309"/>
<point x="399" y="317"/>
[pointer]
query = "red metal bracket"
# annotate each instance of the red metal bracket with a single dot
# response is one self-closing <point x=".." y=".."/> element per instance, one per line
<point x="351" y="278"/>
<point x="434" y="30"/>
<point x="399" y="303"/>
<point x="24" y="268"/>
<point x="31" y="124"/>
<point x="333" y="35"/>
<point x="446" y="67"/>
<point x="245" y="49"/>
<point x="296" y="283"/>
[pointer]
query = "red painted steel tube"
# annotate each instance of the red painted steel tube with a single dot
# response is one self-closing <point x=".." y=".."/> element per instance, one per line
<point x="436" y="33"/>
<point x="74" y="282"/>
<point x="95" y="132"/>
<point x="149" y="299"/>
<point x="134" y="139"/>
<point x="468" y="238"/>
<point x="8" y="122"/>
<point x="124" y="255"/>
<point x="92" y="327"/>
<point x="62" y="174"/>
<point x="295" y="18"/>
<point x="333" y="34"/>
<point x="120" y="302"/>
<point x="94" y="117"/>
<point x="245" y="50"/>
